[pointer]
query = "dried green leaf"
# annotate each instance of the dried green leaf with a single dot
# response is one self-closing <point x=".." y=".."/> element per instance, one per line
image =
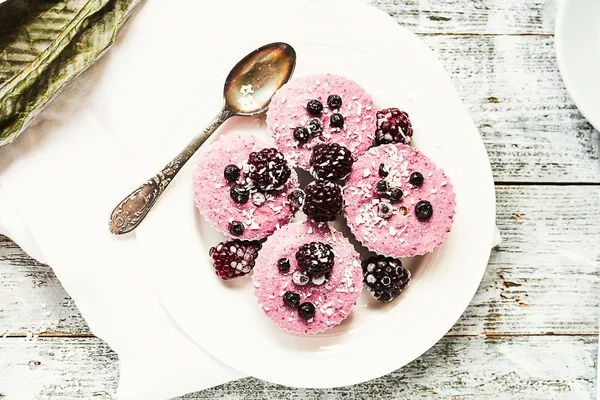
<point x="44" y="44"/>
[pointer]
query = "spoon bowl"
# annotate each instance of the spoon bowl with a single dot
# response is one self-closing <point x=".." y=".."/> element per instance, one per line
<point x="248" y="90"/>
<point x="254" y="80"/>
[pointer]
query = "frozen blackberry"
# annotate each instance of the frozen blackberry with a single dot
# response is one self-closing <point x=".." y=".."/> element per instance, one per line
<point x="334" y="101"/>
<point x="283" y="264"/>
<point x="416" y="179"/>
<point x="423" y="210"/>
<point x="301" y="134"/>
<point x="330" y="161"/>
<point x="315" y="127"/>
<point x="315" y="259"/>
<point x="234" y="258"/>
<point x="323" y="201"/>
<point x="239" y="194"/>
<point x="296" y="198"/>
<point x="268" y="169"/>
<point x="231" y="173"/>
<point x="385" y="277"/>
<point x="393" y="126"/>
<point x="336" y="120"/>
<point x="306" y="311"/>
<point x="314" y="107"/>
<point x="236" y="228"/>
<point x="291" y="299"/>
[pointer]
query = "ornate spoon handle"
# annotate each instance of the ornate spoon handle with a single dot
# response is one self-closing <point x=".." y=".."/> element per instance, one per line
<point x="128" y="214"/>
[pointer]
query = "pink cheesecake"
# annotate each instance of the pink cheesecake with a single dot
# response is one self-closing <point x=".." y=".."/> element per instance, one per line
<point x="283" y="287"/>
<point x="250" y="210"/>
<point x="398" y="202"/>
<point x="294" y="106"/>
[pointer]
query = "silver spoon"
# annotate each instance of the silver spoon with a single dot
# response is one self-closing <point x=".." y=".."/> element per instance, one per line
<point x="247" y="92"/>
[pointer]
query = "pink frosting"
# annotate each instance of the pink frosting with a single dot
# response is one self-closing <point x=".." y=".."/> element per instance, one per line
<point x="211" y="190"/>
<point x="288" y="111"/>
<point x="401" y="235"/>
<point x="333" y="300"/>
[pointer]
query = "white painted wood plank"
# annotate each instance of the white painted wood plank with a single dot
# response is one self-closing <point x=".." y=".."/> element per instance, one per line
<point x="512" y="88"/>
<point x="536" y="367"/>
<point x="544" y="277"/>
<point x="473" y="16"/>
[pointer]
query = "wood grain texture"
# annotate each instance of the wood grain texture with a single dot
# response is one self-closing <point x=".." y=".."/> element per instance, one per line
<point x="473" y="16"/>
<point x="544" y="277"/>
<point x="500" y="368"/>
<point x="512" y="88"/>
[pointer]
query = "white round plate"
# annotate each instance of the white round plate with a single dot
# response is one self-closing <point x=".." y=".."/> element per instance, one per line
<point x="224" y="318"/>
<point x="578" y="52"/>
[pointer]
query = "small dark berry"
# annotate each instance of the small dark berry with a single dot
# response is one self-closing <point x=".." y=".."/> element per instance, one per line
<point x="423" y="210"/>
<point x="306" y="311"/>
<point x="334" y="101"/>
<point x="383" y="170"/>
<point x="336" y="120"/>
<point x="296" y="198"/>
<point x="291" y="299"/>
<point x="381" y="186"/>
<point x="385" y="210"/>
<point x="231" y="173"/>
<point x="301" y="134"/>
<point x="314" y="107"/>
<point x="236" y="228"/>
<point x="283" y="264"/>
<point x="396" y="194"/>
<point x="258" y="199"/>
<point x="239" y="194"/>
<point x="416" y="179"/>
<point x="315" y="127"/>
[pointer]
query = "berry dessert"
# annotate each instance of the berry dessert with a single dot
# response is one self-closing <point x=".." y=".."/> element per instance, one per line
<point x="398" y="202"/>
<point x="234" y="258"/>
<point x="307" y="278"/>
<point x="385" y="277"/>
<point x="317" y="109"/>
<point x="393" y="126"/>
<point x="241" y="187"/>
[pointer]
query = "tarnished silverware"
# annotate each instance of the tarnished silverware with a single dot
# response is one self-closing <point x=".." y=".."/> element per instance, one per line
<point x="247" y="92"/>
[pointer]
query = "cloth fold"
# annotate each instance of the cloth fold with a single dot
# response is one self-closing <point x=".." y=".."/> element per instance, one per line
<point x="61" y="178"/>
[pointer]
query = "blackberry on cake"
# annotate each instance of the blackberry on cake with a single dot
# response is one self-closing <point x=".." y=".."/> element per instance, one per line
<point x="331" y="161"/>
<point x="315" y="259"/>
<point x="269" y="170"/>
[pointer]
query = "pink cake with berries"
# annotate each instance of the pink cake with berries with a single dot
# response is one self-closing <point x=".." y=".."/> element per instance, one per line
<point x="241" y="186"/>
<point x="398" y="202"/>
<point x="317" y="109"/>
<point x="307" y="277"/>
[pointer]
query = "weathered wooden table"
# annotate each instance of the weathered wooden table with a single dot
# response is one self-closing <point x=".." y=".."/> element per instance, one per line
<point x="531" y="332"/>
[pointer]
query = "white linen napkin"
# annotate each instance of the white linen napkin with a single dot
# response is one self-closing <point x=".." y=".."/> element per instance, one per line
<point x="61" y="178"/>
